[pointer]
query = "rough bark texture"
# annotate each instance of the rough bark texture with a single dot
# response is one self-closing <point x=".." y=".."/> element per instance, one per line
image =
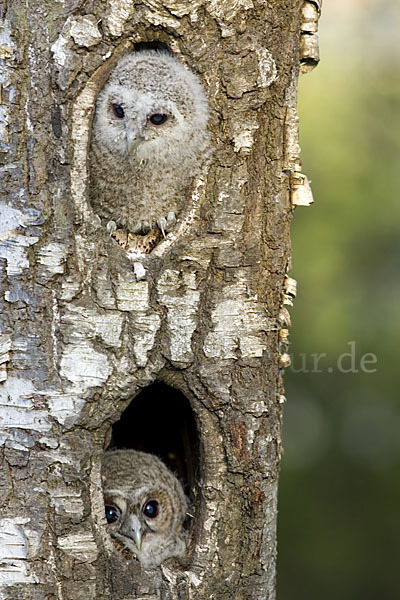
<point x="81" y="334"/>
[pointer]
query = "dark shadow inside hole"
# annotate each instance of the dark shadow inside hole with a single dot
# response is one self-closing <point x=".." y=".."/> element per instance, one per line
<point x="160" y="420"/>
<point x="155" y="45"/>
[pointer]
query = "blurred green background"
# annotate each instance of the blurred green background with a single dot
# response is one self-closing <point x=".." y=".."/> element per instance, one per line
<point x="339" y="498"/>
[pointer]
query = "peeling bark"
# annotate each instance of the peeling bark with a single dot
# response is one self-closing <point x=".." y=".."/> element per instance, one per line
<point x="83" y="329"/>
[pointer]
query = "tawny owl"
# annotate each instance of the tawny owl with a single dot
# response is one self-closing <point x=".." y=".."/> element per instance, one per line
<point x="145" y="506"/>
<point x="149" y="137"/>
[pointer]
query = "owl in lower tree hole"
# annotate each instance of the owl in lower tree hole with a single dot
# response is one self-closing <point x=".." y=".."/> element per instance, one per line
<point x="145" y="506"/>
<point x="149" y="137"/>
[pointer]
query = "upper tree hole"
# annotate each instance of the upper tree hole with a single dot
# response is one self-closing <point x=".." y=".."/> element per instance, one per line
<point x="160" y="420"/>
<point x="155" y="45"/>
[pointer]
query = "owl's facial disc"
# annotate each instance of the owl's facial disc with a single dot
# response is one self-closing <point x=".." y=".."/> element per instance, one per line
<point x="134" y="528"/>
<point x="139" y="126"/>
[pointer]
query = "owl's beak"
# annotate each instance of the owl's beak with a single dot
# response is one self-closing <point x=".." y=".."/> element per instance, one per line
<point x="134" y="530"/>
<point x="133" y="138"/>
<point x="137" y="536"/>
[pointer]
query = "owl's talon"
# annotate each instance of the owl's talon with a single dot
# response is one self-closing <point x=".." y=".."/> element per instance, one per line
<point x="171" y="220"/>
<point x="162" y="223"/>
<point x="111" y="227"/>
<point x="165" y="224"/>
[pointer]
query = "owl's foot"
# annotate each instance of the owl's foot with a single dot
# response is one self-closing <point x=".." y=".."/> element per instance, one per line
<point x="141" y="243"/>
<point x="166" y="223"/>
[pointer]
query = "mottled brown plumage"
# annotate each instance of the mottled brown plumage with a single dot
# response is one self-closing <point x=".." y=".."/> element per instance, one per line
<point x="149" y="138"/>
<point x="145" y="506"/>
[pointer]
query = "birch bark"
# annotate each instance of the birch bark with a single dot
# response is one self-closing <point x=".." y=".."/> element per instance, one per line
<point x="82" y="331"/>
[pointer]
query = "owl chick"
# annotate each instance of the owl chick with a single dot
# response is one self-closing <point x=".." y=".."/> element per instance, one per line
<point x="145" y="506"/>
<point x="148" y="140"/>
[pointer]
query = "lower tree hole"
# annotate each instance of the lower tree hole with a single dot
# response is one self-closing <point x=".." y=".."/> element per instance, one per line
<point x="160" y="420"/>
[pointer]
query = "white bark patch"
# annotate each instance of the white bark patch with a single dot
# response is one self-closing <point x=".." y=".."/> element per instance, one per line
<point x="81" y="546"/>
<point x="224" y="11"/>
<point x="4" y="121"/>
<point x="59" y="49"/>
<point x="194" y="580"/>
<point x="88" y="324"/>
<point x="177" y="7"/>
<point x="67" y="502"/>
<point x="80" y="132"/>
<point x="243" y="134"/>
<point x="5" y="347"/>
<point x="6" y="54"/>
<point x="164" y="11"/>
<point x="84" y="31"/>
<point x="292" y="160"/>
<point x="267" y="67"/>
<point x="239" y="324"/>
<point x="70" y="288"/>
<point x="6" y="43"/>
<point x="16" y="439"/>
<point x="13" y="565"/>
<point x="17" y="408"/>
<point x="167" y="13"/>
<point x="210" y="548"/>
<point x="104" y="289"/>
<point x="290" y="286"/>
<point x="178" y="292"/>
<point x="118" y="14"/>
<point x="14" y="244"/>
<point x="301" y="194"/>
<point x="52" y="257"/>
<point x="16" y="254"/>
<point x="244" y="140"/>
<point x="133" y="296"/>
<point x="54" y="325"/>
<point x="139" y="270"/>
<point x="148" y="326"/>
<point x="84" y="366"/>
<point x="66" y="408"/>
<point x="228" y="9"/>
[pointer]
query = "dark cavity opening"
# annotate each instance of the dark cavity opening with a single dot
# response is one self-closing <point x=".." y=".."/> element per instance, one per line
<point x="160" y="420"/>
<point x="161" y="46"/>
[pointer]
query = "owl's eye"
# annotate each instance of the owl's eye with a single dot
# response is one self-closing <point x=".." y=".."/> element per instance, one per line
<point x="158" y="119"/>
<point x="118" y="111"/>
<point x="151" y="509"/>
<point x="112" y="514"/>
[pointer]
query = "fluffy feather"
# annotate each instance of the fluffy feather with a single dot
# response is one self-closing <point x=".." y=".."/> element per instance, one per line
<point x="139" y="172"/>
<point x="132" y="479"/>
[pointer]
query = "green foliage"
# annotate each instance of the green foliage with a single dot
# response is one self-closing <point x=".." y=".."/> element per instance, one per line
<point x="339" y="491"/>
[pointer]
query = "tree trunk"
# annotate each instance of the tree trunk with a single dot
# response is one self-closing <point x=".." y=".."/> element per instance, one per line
<point x="196" y="329"/>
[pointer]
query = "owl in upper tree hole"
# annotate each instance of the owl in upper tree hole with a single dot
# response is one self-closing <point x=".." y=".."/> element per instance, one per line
<point x="149" y="138"/>
<point x="145" y="506"/>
